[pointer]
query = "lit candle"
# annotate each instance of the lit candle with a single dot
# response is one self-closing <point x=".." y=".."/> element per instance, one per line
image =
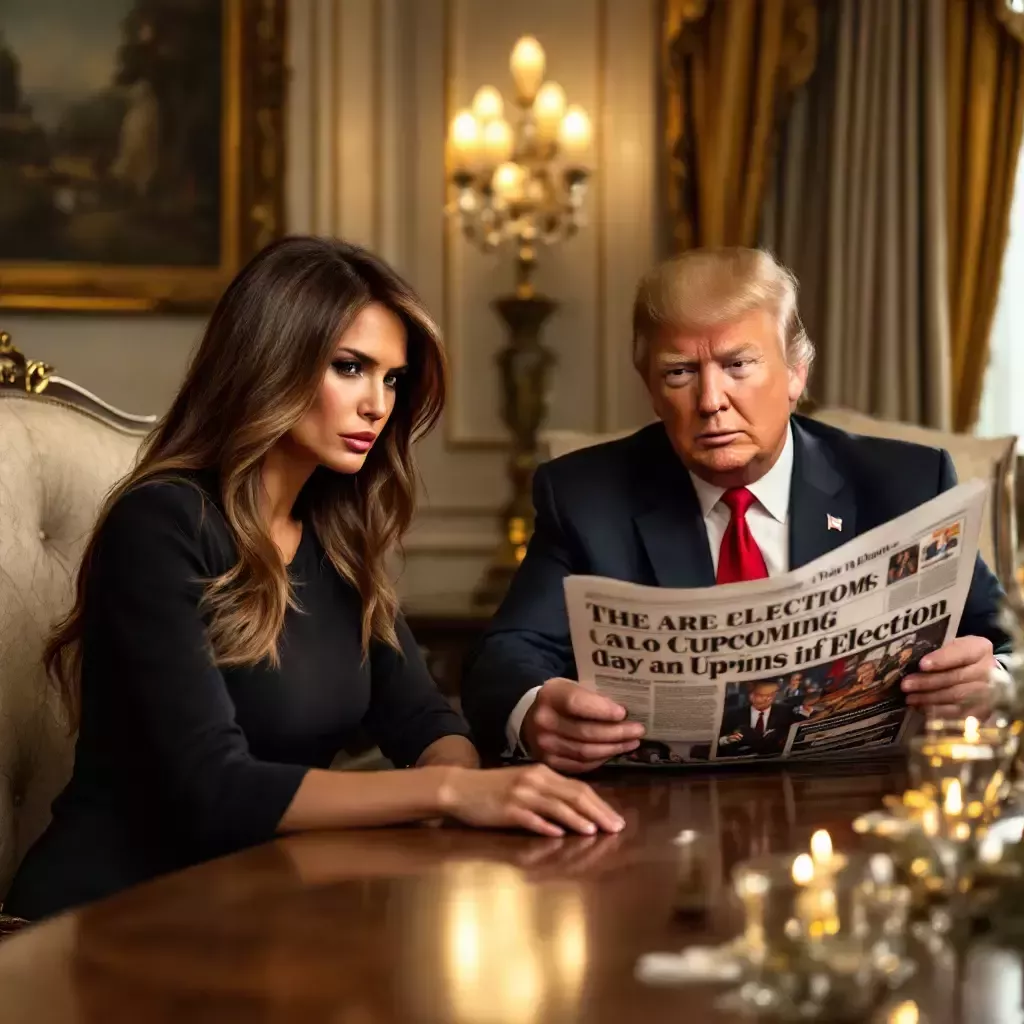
<point x="464" y="137"/>
<point x="527" y="66"/>
<point x="821" y="849"/>
<point x="954" y="803"/>
<point x="487" y="104"/>
<point x="972" y="734"/>
<point x="803" y="869"/>
<point x="930" y="820"/>
<point x="816" y="906"/>
<point x="548" y="109"/>
<point x="574" y="135"/>
<point x="906" y="1013"/>
<point x="497" y="142"/>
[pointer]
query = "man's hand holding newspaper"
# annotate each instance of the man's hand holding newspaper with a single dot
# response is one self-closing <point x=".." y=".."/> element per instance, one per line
<point x="826" y="660"/>
<point x="958" y="672"/>
<point x="578" y="730"/>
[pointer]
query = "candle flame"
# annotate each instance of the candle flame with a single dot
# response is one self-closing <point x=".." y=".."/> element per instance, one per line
<point x="905" y="1013"/>
<point x="971" y="731"/>
<point x="821" y="847"/>
<point x="954" y="798"/>
<point x="930" y="820"/>
<point x="803" y="869"/>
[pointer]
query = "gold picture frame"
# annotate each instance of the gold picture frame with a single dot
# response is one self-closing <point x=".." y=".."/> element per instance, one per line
<point x="243" y="192"/>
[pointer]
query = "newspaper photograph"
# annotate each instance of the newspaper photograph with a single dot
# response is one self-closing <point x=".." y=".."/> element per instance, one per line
<point x="801" y="665"/>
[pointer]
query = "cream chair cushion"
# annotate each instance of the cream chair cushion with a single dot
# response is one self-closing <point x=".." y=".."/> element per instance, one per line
<point x="56" y="465"/>
<point x="992" y="459"/>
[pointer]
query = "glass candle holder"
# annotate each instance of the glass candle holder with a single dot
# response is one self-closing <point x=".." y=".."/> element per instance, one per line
<point x="979" y="759"/>
<point x="768" y="894"/>
<point x="886" y="907"/>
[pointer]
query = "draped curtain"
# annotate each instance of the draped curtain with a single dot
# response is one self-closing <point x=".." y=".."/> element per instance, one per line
<point x="886" y="183"/>
<point x="985" y="111"/>
<point x="730" y="67"/>
<point x="858" y="207"/>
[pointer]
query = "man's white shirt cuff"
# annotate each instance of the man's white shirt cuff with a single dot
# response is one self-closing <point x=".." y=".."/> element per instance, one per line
<point x="1002" y="669"/>
<point x="515" y="722"/>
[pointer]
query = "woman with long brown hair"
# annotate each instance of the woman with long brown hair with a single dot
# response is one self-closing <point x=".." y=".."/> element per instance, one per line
<point x="234" y="622"/>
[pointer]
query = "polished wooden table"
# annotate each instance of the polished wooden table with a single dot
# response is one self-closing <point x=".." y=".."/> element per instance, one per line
<point x="416" y="925"/>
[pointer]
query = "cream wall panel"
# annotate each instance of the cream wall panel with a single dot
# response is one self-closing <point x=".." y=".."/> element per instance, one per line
<point x="627" y="203"/>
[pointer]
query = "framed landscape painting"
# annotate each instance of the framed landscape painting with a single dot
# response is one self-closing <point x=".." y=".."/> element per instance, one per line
<point x="141" y="149"/>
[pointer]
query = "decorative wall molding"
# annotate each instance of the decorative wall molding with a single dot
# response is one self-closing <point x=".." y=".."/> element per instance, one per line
<point x="373" y="86"/>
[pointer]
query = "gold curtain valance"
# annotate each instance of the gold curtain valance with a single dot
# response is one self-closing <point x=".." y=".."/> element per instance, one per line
<point x="729" y="67"/>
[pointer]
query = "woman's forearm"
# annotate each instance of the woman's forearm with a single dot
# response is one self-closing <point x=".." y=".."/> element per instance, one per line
<point x="450" y="750"/>
<point x="339" y="799"/>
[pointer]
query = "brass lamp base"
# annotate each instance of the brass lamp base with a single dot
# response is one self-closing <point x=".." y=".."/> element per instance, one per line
<point x="495" y="583"/>
<point x="525" y="365"/>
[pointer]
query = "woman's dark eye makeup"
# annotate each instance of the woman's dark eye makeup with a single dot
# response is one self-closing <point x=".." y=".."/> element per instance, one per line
<point x="347" y="366"/>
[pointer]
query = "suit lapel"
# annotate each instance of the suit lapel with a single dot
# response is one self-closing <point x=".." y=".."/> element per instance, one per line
<point x="817" y="492"/>
<point x="671" y="526"/>
<point x="677" y="546"/>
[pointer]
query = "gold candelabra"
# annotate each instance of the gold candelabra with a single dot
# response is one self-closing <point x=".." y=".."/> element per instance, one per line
<point x="522" y="184"/>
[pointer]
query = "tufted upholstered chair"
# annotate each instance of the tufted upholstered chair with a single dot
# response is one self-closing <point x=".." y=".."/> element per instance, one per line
<point x="985" y="458"/>
<point x="61" y="450"/>
<point x="976" y="458"/>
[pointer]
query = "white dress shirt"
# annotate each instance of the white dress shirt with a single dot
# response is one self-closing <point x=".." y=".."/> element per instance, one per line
<point x="767" y="517"/>
<point x="754" y="713"/>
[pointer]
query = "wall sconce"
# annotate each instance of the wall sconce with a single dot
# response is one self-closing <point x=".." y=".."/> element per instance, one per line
<point x="522" y="183"/>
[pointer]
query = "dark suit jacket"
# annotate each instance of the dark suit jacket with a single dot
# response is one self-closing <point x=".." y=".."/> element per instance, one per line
<point x="780" y="718"/>
<point x="627" y="510"/>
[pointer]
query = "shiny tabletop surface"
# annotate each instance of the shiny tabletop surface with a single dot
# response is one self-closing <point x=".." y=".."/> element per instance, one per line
<point x="426" y="924"/>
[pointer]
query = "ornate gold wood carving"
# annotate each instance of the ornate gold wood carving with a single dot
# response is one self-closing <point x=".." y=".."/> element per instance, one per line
<point x="18" y="372"/>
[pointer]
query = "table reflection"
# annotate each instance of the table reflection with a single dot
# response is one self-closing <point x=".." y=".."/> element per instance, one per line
<point x="485" y="945"/>
<point x="421" y="925"/>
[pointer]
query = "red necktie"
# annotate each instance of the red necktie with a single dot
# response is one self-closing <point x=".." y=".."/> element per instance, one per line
<point x="739" y="558"/>
<point x="759" y="728"/>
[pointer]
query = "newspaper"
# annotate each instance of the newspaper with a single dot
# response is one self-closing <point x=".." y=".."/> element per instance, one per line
<point x="803" y="665"/>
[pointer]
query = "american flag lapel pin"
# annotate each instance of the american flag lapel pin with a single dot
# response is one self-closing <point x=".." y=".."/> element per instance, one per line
<point x="834" y="523"/>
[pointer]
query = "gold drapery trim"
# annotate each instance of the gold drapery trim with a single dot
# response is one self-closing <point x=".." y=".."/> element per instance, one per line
<point x="729" y="68"/>
<point x="985" y="120"/>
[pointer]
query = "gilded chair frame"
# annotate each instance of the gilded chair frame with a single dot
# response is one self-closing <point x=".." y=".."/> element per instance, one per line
<point x="21" y="377"/>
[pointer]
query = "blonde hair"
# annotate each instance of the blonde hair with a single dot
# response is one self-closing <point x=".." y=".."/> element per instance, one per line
<point x="704" y="288"/>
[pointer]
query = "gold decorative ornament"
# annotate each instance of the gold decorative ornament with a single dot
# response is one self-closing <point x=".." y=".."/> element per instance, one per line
<point x="16" y="371"/>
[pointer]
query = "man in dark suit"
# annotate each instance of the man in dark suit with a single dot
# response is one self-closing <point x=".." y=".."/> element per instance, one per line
<point x="728" y="486"/>
<point x="759" y="728"/>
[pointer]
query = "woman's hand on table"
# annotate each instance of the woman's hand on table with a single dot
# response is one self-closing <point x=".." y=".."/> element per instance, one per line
<point x="533" y="797"/>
